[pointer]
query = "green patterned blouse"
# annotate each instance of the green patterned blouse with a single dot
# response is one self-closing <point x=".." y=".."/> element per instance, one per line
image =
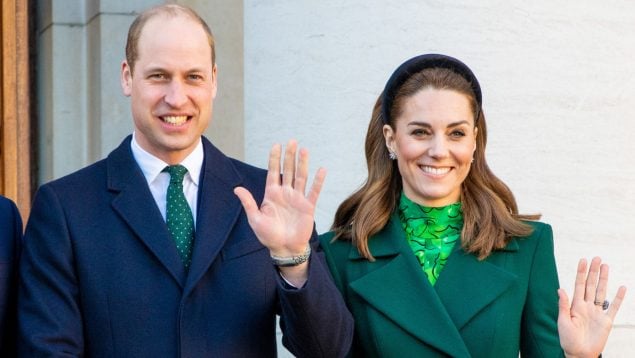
<point x="431" y="233"/>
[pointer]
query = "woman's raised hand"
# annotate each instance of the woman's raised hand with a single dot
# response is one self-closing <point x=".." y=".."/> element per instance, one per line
<point x="584" y="326"/>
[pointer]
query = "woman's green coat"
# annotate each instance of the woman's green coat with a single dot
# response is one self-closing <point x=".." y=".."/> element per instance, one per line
<point x="496" y="307"/>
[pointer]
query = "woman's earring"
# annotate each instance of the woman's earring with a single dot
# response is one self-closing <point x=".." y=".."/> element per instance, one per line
<point x="392" y="155"/>
<point x="472" y="160"/>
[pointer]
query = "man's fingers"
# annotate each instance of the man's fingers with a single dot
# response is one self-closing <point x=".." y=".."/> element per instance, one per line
<point x="617" y="302"/>
<point x="302" y="171"/>
<point x="317" y="186"/>
<point x="294" y="175"/>
<point x="273" y="173"/>
<point x="248" y="202"/>
<point x="580" y="281"/>
<point x="288" y="168"/>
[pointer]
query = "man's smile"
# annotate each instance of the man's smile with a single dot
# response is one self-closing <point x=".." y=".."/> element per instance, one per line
<point x="174" y="120"/>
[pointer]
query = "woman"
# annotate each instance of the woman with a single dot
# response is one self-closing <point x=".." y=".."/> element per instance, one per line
<point x="431" y="254"/>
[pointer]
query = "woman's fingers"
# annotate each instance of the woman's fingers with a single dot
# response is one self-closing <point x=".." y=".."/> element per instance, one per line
<point x="592" y="280"/>
<point x="617" y="302"/>
<point x="580" y="281"/>
<point x="564" y="307"/>
<point x="592" y="287"/>
<point x="600" y="292"/>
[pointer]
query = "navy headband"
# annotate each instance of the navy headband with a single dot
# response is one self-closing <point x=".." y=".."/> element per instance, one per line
<point x="418" y="64"/>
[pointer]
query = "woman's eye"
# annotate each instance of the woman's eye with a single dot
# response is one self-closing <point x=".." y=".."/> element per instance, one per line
<point x="457" y="134"/>
<point x="420" y="132"/>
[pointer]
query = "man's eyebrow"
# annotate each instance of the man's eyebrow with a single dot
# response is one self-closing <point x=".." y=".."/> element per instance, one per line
<point x="154" y="69"/>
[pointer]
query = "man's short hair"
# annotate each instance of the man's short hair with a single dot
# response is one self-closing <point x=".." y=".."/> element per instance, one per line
<point x="170" y="10"/>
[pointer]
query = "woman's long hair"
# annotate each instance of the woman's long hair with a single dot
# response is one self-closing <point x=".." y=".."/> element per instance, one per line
<point x="490" y="213"/>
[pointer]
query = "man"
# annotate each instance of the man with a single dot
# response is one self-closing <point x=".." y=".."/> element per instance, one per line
<point x="112" y="266"/>
<point x="10" y="241"/>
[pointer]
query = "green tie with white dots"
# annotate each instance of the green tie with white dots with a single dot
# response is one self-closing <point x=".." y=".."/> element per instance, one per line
<point x="179" y="215"/>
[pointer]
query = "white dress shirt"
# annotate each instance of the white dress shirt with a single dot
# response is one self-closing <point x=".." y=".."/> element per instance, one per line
<point x="158" y="181"/>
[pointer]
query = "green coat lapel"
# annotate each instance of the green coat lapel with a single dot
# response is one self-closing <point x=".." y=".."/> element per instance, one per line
<point x="482" y="282"/>
<point x="395" y="286"/>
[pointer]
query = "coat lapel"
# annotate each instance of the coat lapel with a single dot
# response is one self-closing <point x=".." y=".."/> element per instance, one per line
<point x="465" y="276"/>
<point x="135" y="205"/>
<point x="395" y="286"/>
<point x="218" y="210"/>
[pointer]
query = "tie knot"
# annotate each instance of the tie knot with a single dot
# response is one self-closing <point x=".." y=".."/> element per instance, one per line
<point x="177" y="172"/>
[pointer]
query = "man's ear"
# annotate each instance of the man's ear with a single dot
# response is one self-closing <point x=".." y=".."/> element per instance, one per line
<point x="126" y="78"/>
<point x="214" y="81"/>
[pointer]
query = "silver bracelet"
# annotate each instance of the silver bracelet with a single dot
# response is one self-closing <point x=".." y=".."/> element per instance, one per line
<point x="293" y="260"/>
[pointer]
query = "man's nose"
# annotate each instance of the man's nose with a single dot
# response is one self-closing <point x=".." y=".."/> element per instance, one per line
<point x="176" y="95"/>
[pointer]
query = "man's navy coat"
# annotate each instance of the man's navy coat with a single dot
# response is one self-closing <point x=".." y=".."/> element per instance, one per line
<point x="10" y="239"/>
<point x="101" y="277"/>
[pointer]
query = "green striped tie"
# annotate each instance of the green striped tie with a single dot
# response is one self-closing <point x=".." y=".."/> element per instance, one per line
<point x="179" y="215"/>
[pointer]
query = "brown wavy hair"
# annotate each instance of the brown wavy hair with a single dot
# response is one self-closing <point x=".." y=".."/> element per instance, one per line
<point x="490" y="212"/>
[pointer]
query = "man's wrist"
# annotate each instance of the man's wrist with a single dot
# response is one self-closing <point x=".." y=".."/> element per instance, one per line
<point x="294" y="260"/>
<point x="295" y="276"/>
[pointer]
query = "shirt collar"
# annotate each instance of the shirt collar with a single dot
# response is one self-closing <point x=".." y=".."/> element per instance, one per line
<point x="152" y="166"/>
<point x="194" y="162"/>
